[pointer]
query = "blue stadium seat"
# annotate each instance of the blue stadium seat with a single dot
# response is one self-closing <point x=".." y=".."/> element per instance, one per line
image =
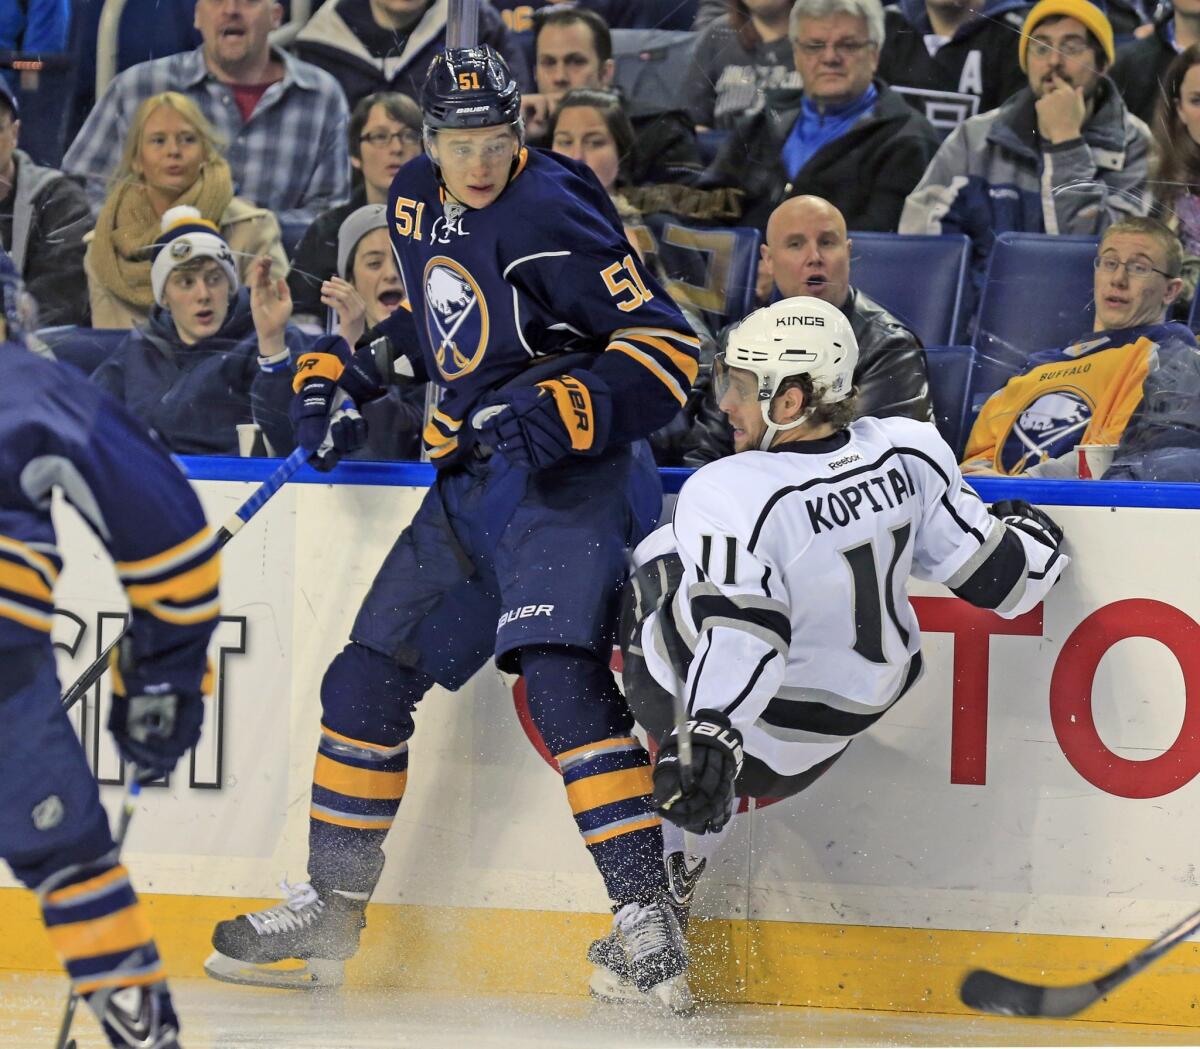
<point x="710" y="269"/>
<point x="1037" y="296"/>
<point x="85" y="348"/>
<point x="950" y="369"/>
<point x="918" y="278"/>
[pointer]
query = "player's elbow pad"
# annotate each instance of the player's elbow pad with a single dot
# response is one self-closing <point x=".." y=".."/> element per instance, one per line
<point x="1009" y="574"/>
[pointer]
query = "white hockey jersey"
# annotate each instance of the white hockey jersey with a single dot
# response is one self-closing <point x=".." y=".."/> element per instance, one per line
<point x="793" y="614"/>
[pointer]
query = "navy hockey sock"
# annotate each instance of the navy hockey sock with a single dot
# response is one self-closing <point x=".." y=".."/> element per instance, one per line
<point x="576" y="706"/>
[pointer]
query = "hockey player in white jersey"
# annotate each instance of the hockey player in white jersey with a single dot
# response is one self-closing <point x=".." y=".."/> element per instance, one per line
<point x="775" y="606"/>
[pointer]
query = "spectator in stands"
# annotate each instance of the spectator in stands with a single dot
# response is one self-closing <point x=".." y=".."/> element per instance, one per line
<point x="953" y="59"/>
<point x="846" y="137"/>
<point x="1133" y="382"/>
<point x="738" y="57"/>
<point x="385" y="134"/>
<point x="1140" y="70"/>
<point x="283" y="120"/>
<point x="36" y="27"/>
<point x="1175" y="173"/>
<point x="370" y="46"/>
<point x="366" y="290"/>
<point x="808" y="252"/>
<point x="1062" y="155"/>
<point x="573" y="48"/>
<point x="171" y="157"/>
<point x="44" y="215"/>
<point x="187" y="375"/>
<point x="590" y="125"/>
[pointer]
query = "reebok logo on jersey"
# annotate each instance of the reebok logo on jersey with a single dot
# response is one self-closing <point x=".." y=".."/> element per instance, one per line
<point x="846" y="460"/>
<point x="524" y="612"/>
<point x="826" y="512"/>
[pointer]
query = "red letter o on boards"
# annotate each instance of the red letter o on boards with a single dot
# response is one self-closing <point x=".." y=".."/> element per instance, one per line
<point x="1071" y="698"/>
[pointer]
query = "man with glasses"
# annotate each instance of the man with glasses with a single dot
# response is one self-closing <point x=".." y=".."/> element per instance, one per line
<point x="845" y="136"/>
<point x="1061" y="156"/>
<point x="1132" y="386"/>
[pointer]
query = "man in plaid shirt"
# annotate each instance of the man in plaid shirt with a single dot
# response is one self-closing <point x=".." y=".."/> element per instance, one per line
<point x="283" y="120"/>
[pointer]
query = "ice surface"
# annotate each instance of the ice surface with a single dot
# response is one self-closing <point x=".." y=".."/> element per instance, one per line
<point x="217" y="1016"/>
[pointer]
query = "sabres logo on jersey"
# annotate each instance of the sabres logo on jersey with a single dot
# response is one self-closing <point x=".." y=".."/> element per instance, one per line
<point x="456" y="317"/>
<point x="1049" y="427"/>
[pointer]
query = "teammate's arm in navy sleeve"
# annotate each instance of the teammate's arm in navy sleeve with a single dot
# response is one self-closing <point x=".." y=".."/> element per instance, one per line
<point x="140" y="505"/>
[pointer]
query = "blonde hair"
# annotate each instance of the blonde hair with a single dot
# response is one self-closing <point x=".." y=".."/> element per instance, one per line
<point x="186" y="108"/>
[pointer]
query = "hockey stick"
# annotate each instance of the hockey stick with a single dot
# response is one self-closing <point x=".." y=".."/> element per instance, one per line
<point x="462" y="24"/>
<point x="127" y="806"/>
<point x="227" y="531"/>
<point x="990" y="992"/>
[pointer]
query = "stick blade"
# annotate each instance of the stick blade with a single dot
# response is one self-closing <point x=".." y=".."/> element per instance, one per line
<point x="989" y="992"/>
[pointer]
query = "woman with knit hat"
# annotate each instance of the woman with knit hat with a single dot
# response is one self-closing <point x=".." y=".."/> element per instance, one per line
<point x="187" y="373"/>
<point x="171" y="157"/>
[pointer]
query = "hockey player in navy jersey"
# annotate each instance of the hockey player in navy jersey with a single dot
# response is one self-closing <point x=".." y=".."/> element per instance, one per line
<point x="57" y="431"/>
<point x="556" y="354"/>
<point x="775" y="606"/>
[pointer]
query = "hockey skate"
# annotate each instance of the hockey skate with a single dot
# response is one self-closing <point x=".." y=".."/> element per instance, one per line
<point x="644" y="959"/>
<point x="136" y="1017"/>
<point x="318" y="929"/>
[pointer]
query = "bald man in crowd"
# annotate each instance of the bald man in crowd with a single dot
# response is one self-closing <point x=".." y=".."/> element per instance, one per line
<point x="807" y="252"/>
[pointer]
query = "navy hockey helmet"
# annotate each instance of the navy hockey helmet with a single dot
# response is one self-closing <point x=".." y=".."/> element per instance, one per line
<point x="469" y="87"/>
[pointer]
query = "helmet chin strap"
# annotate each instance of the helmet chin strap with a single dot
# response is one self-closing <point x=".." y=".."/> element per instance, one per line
<point x="774" y="428"/>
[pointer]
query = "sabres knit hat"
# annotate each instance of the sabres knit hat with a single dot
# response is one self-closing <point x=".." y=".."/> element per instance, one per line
<point x="354" y="227"/>
<point x="1089" y="14"/>
<point x="187" y="235"/>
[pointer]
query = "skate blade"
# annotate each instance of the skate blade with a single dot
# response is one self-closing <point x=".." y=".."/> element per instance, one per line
<point x="671" y="995"/>
<point x="313" y="974"/>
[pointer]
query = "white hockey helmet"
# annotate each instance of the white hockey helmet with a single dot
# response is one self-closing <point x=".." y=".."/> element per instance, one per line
<point x="792" y="337"/>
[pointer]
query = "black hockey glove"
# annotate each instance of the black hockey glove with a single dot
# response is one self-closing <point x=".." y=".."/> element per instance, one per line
<point x="1034" y="522"/>
<point x="536" y="426"/>
<point x="154" y="722"/>
<point x="324" y="413"/>
<point x="706" y="805"/>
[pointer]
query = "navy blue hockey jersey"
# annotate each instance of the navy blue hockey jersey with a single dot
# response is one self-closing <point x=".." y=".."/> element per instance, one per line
<point x="543" y="270"/>
<point x="59" y="431"/>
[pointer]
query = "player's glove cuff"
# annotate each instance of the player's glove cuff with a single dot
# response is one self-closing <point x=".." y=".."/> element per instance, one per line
<point x="1033" y="521"/>
<point x="704" y="803"/>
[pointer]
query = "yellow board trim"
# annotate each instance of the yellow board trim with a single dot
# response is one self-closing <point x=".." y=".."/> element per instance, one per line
<point x="784" y="963"/>
<point x="359" y="783"/>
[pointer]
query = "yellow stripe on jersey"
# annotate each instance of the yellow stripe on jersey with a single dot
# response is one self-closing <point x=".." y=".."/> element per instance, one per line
<point x="190" y="586"/>
<point x="122" y="930"/>
<point x="591" y="792"/>
<point x="30" y="617"/>
<point x="359" y="783"/>
<point x="188" y="616"/>
<point x="648" y="362"/>
<point x="158" y="563"/>
<point x="687" y="363"/>
<point x="23" y="581"/>
<point x="451" y="425"/>
<point x="26" y="553"/>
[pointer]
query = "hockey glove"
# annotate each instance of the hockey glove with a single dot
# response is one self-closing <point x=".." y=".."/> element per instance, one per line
<point x="706" y="804"/>
<point x="536" y="426"/>
<point x="1034" y="522"/>
<point x="323" y="412"/>
<point x="153" y="721"/>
